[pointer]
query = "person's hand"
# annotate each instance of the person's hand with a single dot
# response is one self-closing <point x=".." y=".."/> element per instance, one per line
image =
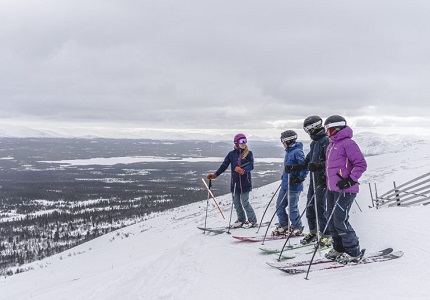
<point x="211" y="176"/>
<point x="296" y="180"/>
<point x="345" y="183"/>
<point x="292" y="168"/>
<point x="239" y="170"/>
<point x="313" y="167"/>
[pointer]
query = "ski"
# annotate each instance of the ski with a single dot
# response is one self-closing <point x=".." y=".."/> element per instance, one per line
<point x="282" y="266"/>
<point x="219" y="230"/>
<point x="261" y="238"/>
<point x="287" y="248"/>
<point x="334" y="265"/>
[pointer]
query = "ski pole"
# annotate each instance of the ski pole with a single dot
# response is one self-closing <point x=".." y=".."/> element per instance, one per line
<point x="319" y="240"/>
<point x="276" y="210"/>
<point x="213" y="197"/>
<point x="355" y="200"/>
<point x="231" y="209"/>
<point x="289" y="222"/>
<point x="291" y="232"/>
<point x="262" y="218"/>
<point x="316" y="207"/>
<point x="207" y="204"/>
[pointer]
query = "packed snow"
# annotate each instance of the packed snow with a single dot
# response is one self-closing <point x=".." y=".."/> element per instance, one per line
<point x="167" y="257"/>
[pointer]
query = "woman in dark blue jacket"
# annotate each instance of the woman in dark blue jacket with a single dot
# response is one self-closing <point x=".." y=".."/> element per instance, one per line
<point x="241" y="161"/>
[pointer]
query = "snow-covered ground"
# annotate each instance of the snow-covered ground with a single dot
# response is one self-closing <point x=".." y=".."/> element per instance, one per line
<point x="167" y="257"/>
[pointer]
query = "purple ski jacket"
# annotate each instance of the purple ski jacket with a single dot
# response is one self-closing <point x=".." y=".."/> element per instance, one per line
<point x="344" y="157"/>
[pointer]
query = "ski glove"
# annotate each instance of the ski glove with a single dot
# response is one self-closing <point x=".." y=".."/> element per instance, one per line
<point x="345" y="183"/>
<point x="239" y="170"/>
<point x="293" y="168"/>
<point x="313" y="167"/>
<point x="211" y="176"/>
<point x="296" y="180"/>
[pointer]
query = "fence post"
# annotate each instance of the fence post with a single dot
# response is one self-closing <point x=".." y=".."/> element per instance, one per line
<point x="397" y="194"/>
<point x="376" y="195"/>
<point x="371" y="195"/>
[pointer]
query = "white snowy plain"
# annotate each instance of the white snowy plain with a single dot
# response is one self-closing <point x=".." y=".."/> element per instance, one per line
<point x="167" y="257"/>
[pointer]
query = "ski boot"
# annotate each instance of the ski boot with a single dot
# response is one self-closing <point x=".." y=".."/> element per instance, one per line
<point x="237" y="224"/>
<point x="298" y="231"/>
<point x="333" y="254"/>
<point x="345" y="258"/>
<point x="280" y="230"/>
<point x="325" y="242"/>
<point x="309" y="238"/>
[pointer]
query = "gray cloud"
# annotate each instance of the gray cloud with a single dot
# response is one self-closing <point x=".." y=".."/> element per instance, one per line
<point x="217" y="65"/>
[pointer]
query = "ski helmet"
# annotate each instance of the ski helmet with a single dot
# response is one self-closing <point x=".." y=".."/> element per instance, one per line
<point x="289" y="137"/>
<point x="334" y="123"/>
<point x="313" y="124"/>
<point x="240" y="138"/>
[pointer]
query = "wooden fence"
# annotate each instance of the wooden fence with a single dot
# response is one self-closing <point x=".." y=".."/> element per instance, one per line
<point x="415" y="191"/>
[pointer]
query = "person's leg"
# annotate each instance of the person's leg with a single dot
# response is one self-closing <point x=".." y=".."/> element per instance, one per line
<point x="244" y="198"/>
<point x="337" y="241"/>
<point x="343" y="228"/>
<point x="296" y="222"/>
<point x="310" y="211"/>
<point x="239" y="209"/>
<point x="281" y="204"/>
<point x="321" y="195"/>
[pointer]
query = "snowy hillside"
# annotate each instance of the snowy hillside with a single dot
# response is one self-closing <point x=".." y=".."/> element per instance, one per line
<point x="167" y="257"/>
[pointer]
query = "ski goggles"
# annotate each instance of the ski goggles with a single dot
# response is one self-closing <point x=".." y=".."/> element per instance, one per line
<point x="241" y="141"/>
<point x="287" y="139"/>
<point x="311" y="127"/>
<point x="333" y="127"/>
<point x="335" y="124"/>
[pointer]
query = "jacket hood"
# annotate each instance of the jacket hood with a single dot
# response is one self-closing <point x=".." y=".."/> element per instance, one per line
<point x="296" y="145"/>
<point x="318" y="135"/>
<point x="342" y="134"/>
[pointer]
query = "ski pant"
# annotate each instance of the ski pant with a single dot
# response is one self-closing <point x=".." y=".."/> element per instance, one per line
<point x="344" y="237"/>
<point x="311" y="214"/>
<point x="285" y="198"/>
<point x="242" y="205"/>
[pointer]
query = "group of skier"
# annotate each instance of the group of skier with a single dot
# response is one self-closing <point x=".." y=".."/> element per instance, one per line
<point x="335" y="163"/>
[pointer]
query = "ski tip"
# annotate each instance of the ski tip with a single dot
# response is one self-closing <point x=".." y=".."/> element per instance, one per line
<point x="398" y="253"/>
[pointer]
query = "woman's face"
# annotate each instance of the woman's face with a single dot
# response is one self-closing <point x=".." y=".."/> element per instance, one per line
<point x="242" y="146"/>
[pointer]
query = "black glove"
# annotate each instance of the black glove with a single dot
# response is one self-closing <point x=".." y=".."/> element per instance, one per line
<point x="313" y="167"/>
<point x="345" y="183"/>
<point x="293" y="168"/>
<point x="296" y="180"/>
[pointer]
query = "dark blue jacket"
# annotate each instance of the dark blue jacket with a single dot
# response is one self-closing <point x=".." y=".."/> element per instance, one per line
<point x="294" y="156"/>
<point x="243" y="182"/>
<point x="317" y="154"/>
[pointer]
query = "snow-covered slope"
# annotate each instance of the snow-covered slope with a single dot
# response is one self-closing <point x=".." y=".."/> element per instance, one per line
<point x="166" y="257"/>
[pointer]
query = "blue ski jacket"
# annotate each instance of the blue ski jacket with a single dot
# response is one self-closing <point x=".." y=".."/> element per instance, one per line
<point x="294" y="156"/>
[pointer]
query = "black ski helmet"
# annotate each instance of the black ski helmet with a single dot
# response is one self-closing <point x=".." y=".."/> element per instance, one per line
<point x="334" y="123"/>
<point x="313" y="124"/>
<point x="289" y="137"/>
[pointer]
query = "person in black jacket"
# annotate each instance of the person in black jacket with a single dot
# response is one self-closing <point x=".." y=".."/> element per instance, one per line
<point x="241" y="161"/>
<point x="317" y="192"/>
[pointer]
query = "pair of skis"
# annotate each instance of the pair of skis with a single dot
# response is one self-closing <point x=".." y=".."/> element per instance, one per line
<point x="219" y="230"/>
<point x="301" y="267"/>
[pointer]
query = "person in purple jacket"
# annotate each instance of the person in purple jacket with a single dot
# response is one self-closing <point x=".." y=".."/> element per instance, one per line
<point x="345" y="164"/>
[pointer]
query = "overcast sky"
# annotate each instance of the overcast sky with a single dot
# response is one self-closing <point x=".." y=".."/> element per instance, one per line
<point x="214" y="67"/>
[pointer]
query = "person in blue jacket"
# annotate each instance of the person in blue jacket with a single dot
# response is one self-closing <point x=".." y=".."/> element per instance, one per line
<point x="291" y="187"/>
<point x="241" y="161"/>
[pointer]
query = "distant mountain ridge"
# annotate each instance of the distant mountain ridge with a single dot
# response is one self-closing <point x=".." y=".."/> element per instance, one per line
<point x="370" y="143"/>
